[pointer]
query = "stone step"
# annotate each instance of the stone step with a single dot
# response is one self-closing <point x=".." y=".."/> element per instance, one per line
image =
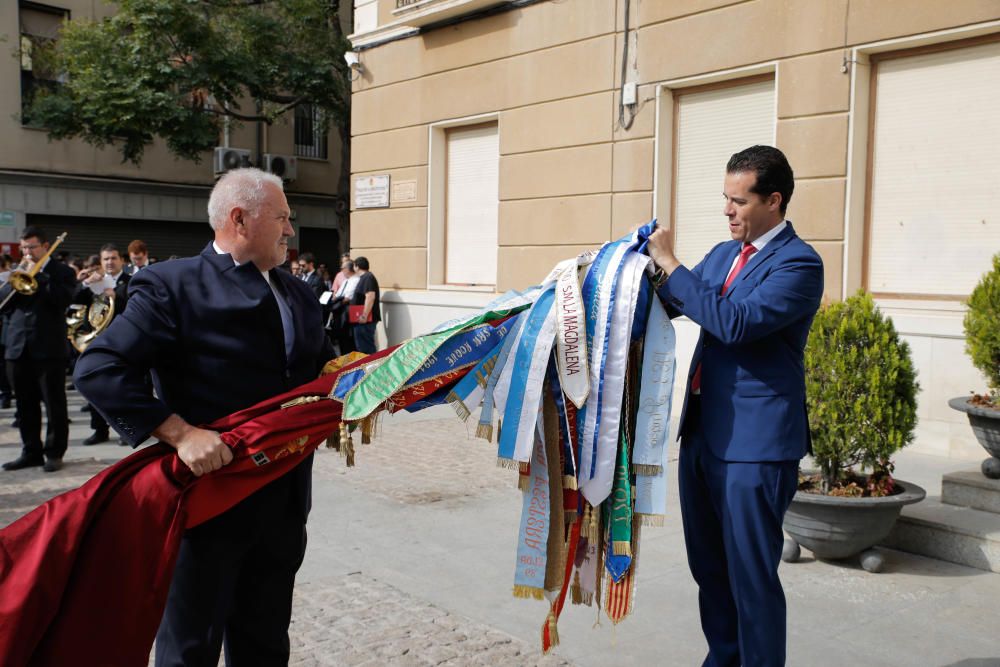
<point x="960" y="535"/>
<point x="970" y="488"/>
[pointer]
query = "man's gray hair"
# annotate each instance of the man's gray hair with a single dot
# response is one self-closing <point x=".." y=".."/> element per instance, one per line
<point x="243" y="188"/>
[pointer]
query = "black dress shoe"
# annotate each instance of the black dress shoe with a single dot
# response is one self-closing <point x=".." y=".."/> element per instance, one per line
<point x="15" y="423"/>
<point x="51" y="465"/>
<point x="85" y="407"/>
<point x="96" y="438"/>
<point x="5" y="402"/>
<point x="22" y="462"/>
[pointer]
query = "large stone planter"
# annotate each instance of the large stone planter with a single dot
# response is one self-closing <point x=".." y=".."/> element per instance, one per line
<point x="834" y="527"/>
<point x="985" y="423"/>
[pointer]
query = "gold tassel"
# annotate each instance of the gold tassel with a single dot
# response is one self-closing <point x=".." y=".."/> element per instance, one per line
<point x="525" y="592"/>
<point x="499" y="426"/>
<point x="576" y="590"/>
<point x="553" y="632"/>
<point x="570" y="518"/>
<point x="569" y="482"/>
<point x="301" y="400"/>
<point x="523" y="482"/>
<point x="346" y="445"/>
<point x="619" y="548"/>
<point x="485" y="431"/>
<point x="647" y="469"/>
<point x="654" y="520"/>
<point x="524" y="466"/>
<point x="333" y="441"/>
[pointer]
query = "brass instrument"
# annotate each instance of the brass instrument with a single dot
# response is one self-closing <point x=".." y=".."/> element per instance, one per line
<point x="85" y="322"/>
<point x="24" y="282"/>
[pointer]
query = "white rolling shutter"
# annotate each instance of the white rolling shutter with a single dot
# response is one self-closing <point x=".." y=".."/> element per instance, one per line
<point x="934" y="221"/>
<point x="711" y="126"/>
<point x="472" y="202"/>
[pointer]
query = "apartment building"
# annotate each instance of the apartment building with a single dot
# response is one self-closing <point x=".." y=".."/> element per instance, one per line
<point x="92" y="195"/>
<point x="492" y="139"/>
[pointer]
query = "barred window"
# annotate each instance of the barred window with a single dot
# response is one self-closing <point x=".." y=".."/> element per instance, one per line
<point x="39" y="28"/>
<point x="310" y="136"/>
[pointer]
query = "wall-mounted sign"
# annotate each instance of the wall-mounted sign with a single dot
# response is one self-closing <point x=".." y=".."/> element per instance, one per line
<point x="404" y="191"/>
<point x="7" y="218"/>
<point x="371" y="191"/>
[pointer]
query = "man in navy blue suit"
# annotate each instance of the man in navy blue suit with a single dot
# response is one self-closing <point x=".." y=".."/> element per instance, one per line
<point x="744" y="426"/>
<point x="219" y="332"/>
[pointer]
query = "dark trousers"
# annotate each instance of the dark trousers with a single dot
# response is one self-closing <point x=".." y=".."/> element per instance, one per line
<point x="732" y="514"/>
<point x="97" y="422"/>
<point x="233" y="582"/>
<point x="6" y="387"/>
<point x="35" y="382"/>
<point x="364" y="337"/>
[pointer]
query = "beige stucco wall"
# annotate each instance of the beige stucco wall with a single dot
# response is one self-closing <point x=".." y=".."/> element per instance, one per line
<point x="30" y="149"/>
<point x="571" y="178"/>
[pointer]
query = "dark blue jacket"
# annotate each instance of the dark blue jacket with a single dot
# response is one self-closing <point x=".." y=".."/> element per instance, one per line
<point x="753" y="400"/>
<point x="211" y="334"/>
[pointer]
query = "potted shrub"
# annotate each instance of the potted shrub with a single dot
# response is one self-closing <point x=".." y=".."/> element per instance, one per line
<point x="982" y="344"/>
<point x="861" y="392"/>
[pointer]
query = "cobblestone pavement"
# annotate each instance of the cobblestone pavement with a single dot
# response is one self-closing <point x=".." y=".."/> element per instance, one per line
<point x="421" y="462"/>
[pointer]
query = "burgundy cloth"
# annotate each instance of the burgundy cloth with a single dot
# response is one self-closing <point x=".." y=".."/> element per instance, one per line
<point x="84" y="577"/>
<point x="748" y="249"/>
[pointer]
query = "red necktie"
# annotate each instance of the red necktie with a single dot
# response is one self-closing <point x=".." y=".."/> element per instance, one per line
<point x="741" y="261"/>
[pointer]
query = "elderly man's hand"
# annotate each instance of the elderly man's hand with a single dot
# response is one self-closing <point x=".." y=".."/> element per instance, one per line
<point x="201" y="450"/>
<point x="661" y="249"/>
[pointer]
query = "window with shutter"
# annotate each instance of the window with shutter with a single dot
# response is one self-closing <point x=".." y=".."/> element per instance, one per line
<point x="711" y="125"/>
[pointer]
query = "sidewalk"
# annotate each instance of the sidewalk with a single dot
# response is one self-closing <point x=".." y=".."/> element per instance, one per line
<point x="411" y="557"/>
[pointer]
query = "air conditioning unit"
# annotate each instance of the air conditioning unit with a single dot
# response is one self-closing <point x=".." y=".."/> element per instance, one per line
<point x="227" y="159"/>
<point x="284" y="166"/>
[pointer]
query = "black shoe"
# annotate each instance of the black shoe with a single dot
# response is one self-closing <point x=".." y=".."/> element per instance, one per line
<point x="5" y="402"/>
<point x="96" y="438"/>
<point x="51" y="465"/>
<point x="16" y="422"/>
<point x="85" y="408"/>
<point x="22" y="462"/>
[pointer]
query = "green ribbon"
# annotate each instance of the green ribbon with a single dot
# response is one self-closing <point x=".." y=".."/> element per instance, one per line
<point x="406" y="360"/>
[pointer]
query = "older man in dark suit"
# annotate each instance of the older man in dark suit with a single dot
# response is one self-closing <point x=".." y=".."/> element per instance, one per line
<point x="220" y="332"/>
<point x="744" y="426"/>
<point x="36" y="354"/>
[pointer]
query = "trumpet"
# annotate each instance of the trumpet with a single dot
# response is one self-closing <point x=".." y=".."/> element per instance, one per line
<point x="24" y="282"/>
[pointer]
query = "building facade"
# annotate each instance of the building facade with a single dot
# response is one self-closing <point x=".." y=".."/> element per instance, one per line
<point x="92" y="195"/>
<point x="517" y="134"/>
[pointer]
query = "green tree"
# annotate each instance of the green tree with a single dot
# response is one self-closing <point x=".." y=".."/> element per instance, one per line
<point x="175" y="69"/>
<point x="860" y="388"/>
<point x="982" y="327"/>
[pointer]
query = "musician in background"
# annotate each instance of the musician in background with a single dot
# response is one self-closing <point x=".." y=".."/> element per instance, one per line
<point x="36" y="354"/>
<point x="107" y="279"/>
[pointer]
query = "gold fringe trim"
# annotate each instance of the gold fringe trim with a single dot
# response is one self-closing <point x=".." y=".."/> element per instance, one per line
<point x="499" y="426"/>
<point x="460" y="408"/>
<point x="570" y="518"/>
<point x="647" y="469"/>
<point x="369" y="428"/>
<point x="654" y="520"/>
<point x="619" y="548"/>
<point x="508" y="464"/>
<point x="524" y="467"/>
<point x="333" y="441"/>
<point x="553" y="633"/>
<point x="301" y="400"/>
<point x="523" y="482"/>
<point x="569" y="482"/>
<point x="485" y="431"/>
<point x="526" y="592"/>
